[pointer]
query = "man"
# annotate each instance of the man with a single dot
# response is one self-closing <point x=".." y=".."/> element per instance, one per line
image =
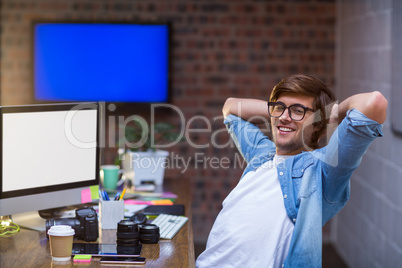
<point x="290" y="187"/>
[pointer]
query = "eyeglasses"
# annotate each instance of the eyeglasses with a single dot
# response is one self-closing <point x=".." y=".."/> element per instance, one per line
<point x="296" y="111"/>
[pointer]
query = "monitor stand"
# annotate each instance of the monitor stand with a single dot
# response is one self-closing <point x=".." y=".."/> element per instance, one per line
<point x="30" y="220"/>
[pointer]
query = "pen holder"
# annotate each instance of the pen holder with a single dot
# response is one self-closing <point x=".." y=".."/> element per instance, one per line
<point x="110" y="213"/>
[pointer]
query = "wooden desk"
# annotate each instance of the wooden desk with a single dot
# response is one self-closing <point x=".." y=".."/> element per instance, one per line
<point x="31" y="248"/>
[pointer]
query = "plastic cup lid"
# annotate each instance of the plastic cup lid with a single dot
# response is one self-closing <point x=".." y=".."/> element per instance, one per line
<point x="61" y="230"/>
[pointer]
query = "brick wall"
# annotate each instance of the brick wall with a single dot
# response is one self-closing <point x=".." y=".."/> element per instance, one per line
<point x="220" y="49"/>
<point x="367" y="232"/>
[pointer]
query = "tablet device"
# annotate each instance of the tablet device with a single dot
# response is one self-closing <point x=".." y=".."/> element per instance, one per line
<point x="110" y="250"/>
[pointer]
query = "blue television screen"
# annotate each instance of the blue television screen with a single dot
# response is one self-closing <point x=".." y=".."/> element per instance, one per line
<point x="110" y="62"/>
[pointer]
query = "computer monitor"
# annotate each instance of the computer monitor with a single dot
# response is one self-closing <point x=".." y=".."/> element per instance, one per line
<point x="49" y="154"/>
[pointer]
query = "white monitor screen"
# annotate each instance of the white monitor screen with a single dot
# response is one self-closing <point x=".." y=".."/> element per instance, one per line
<point x="48" y="148"/>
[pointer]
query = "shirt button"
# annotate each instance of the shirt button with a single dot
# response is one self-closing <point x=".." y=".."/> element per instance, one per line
<point x="285" y="196"/>
<point x="294" y="219"/>
<point x="281" y="173"/>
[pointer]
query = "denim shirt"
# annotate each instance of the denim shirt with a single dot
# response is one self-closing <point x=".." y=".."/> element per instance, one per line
<point x="315" y="184"/>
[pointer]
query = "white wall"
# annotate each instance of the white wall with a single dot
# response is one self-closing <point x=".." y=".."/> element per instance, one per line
<point x="368" y="231"/>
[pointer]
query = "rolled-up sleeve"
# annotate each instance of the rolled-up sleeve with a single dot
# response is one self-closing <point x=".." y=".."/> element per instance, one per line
<point x="248" y="138"/>
<point x="344" y="153"/>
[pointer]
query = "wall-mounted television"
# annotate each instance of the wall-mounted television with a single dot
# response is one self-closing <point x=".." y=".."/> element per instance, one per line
<point x="110" y="62"/>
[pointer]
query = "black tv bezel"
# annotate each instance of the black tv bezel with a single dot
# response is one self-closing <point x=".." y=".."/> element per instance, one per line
<point x="120" y="105"/>
<point x="46" y="108"/>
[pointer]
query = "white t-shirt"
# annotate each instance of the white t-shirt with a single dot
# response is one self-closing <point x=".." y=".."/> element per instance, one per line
<point x="252" y="229"/>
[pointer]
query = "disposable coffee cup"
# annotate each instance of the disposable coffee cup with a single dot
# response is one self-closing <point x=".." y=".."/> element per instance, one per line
<point x="61" y="242"/>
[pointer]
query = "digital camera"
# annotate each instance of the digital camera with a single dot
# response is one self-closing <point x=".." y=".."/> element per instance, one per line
<point x="85" y="224"/>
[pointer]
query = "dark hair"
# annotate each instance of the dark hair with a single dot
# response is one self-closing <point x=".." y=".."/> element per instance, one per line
<point x="308" y="86"/>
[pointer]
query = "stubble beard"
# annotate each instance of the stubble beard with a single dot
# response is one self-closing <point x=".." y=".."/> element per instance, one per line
<point x="294" y="144"/>
<point x="289" y="146"/>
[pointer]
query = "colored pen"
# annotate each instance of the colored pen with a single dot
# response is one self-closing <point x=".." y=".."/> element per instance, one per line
<point x="122" y="194"/>
<point x="117" y="197"/>
<point x="105" y="196"/>
<point x="100" y="194"/>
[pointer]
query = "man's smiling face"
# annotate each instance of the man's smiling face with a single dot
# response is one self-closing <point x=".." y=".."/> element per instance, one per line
<point x="290" y="136"/>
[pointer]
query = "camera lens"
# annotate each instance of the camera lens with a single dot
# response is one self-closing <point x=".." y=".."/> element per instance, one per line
<point x="139" y="218"/>
<point x="127" y="233"/>
<point x="149" y="233"/>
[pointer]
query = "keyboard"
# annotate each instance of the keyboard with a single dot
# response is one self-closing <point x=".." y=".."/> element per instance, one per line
<point x="169" y="225"/>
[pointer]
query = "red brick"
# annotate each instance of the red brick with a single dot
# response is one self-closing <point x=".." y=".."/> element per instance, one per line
<point x="220" y="49"/>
